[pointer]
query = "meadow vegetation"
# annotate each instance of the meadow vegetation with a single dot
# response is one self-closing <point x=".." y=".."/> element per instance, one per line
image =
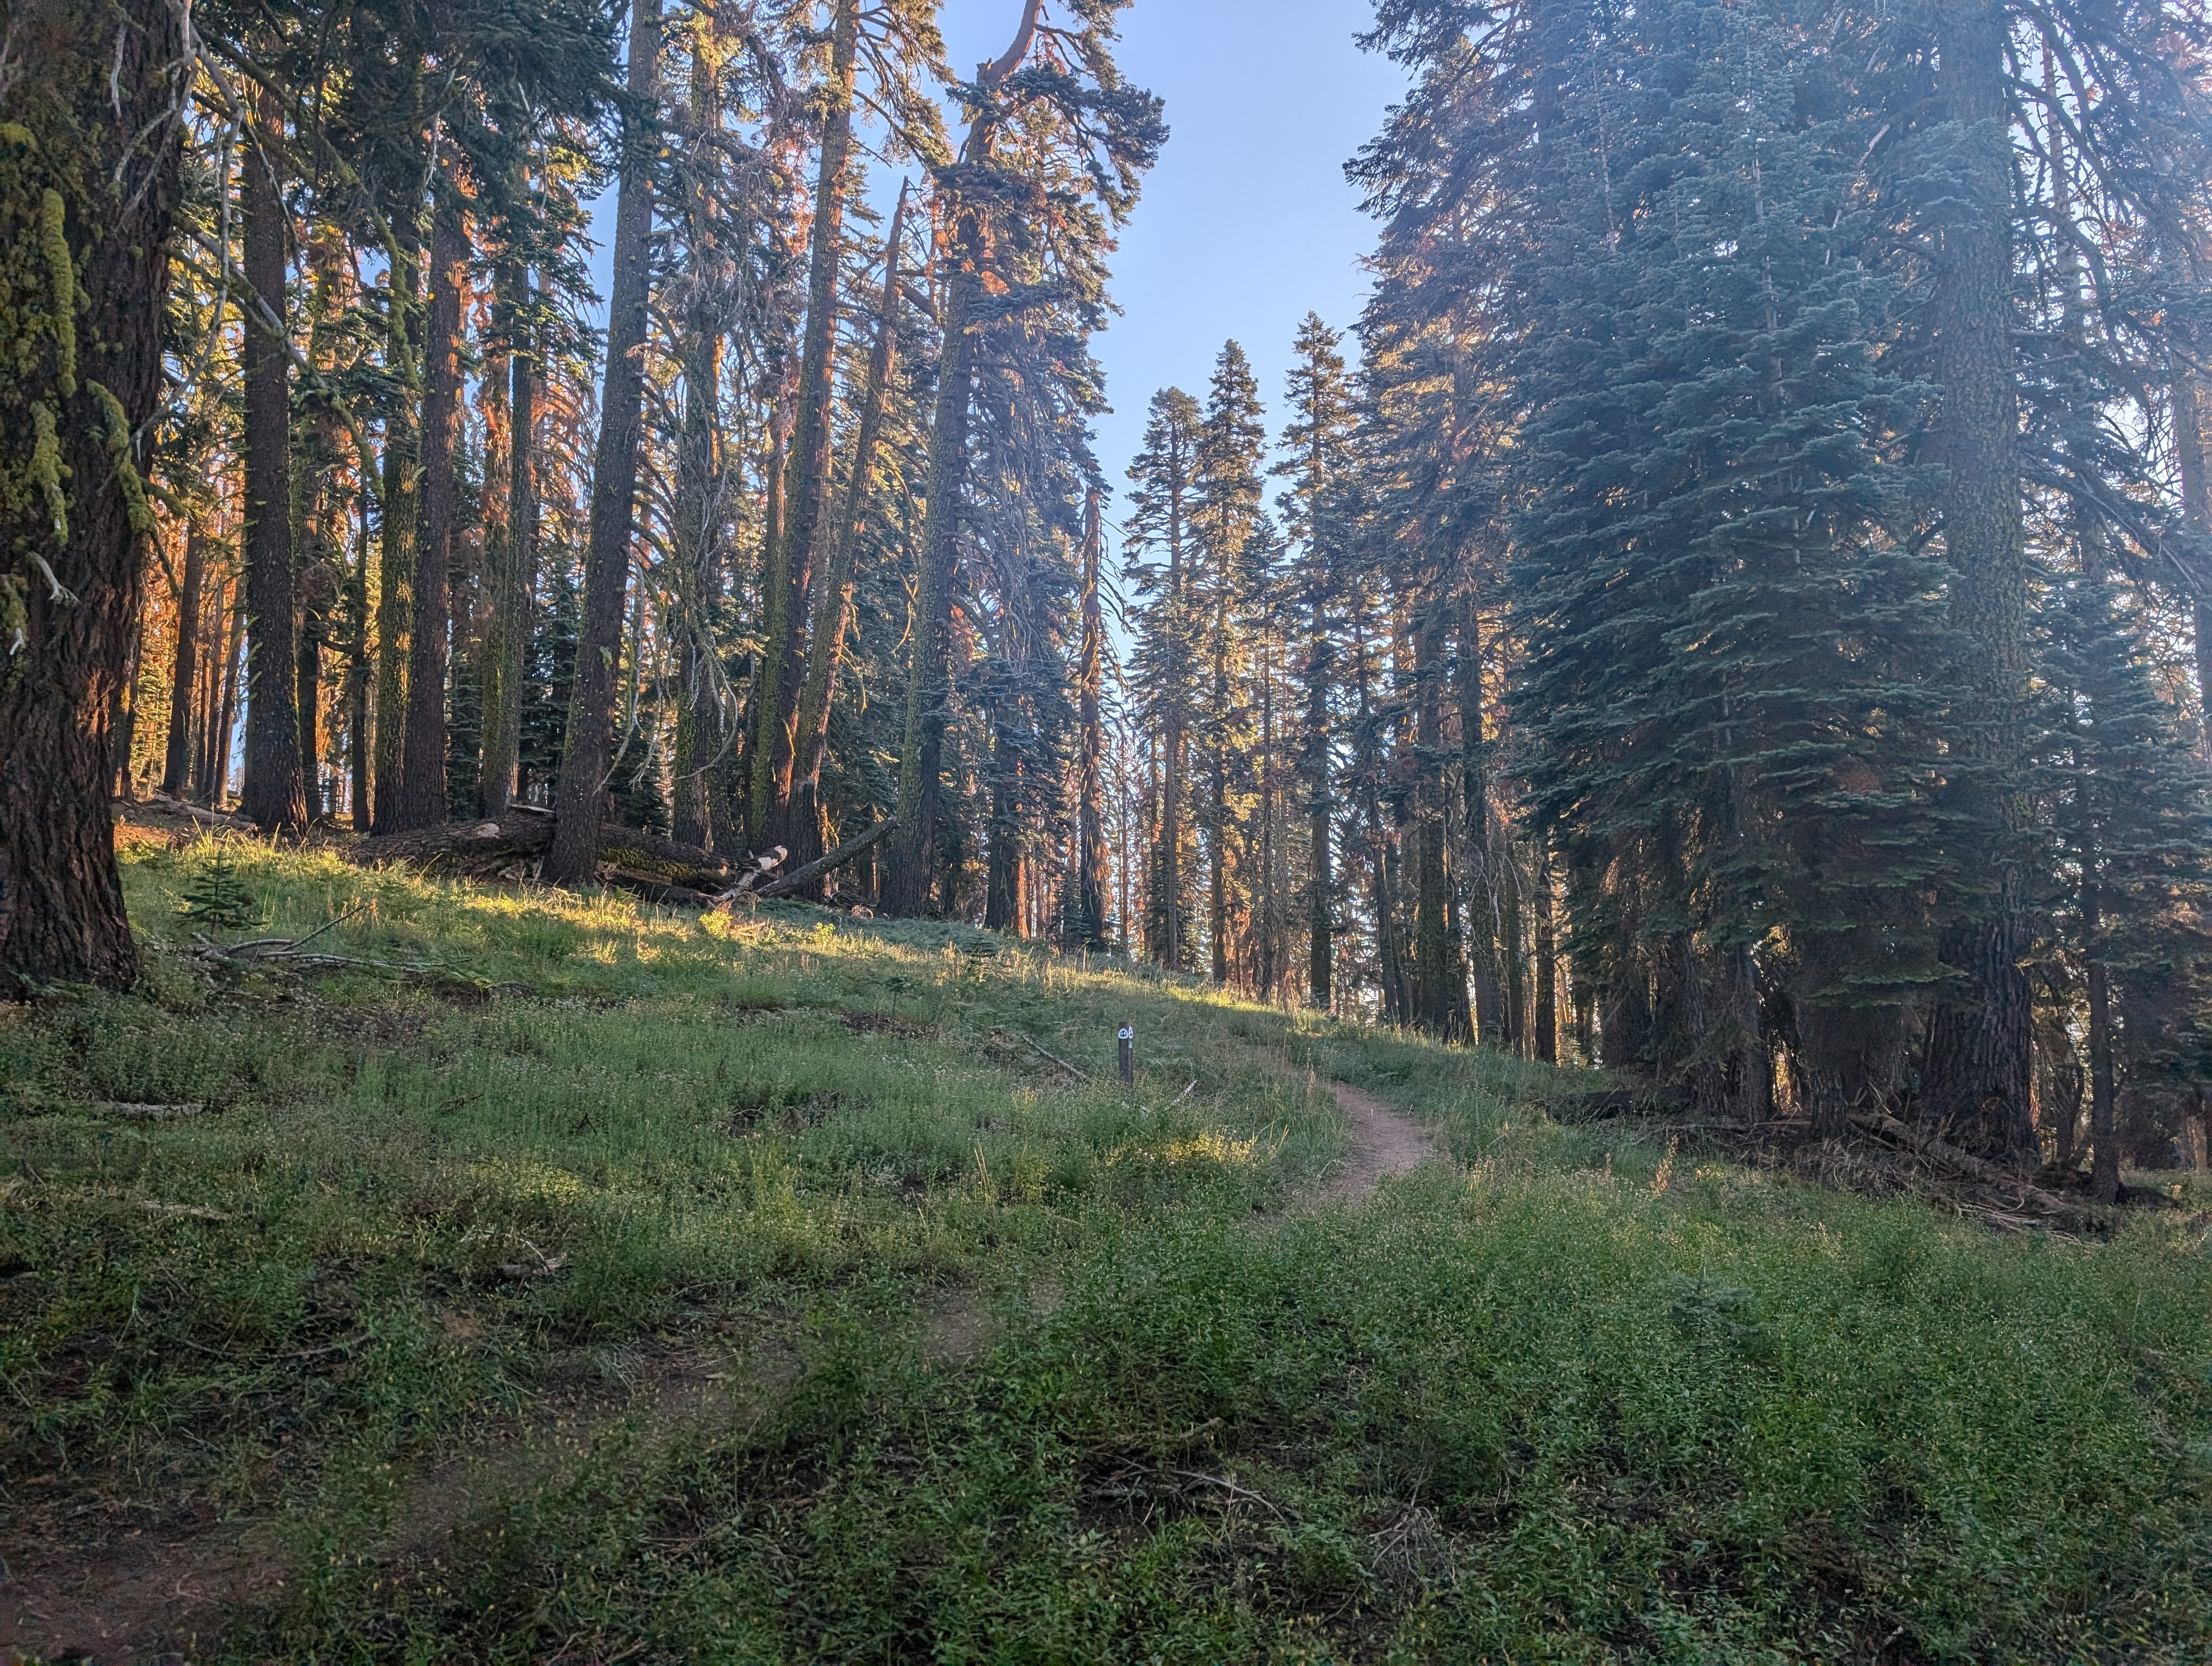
<point x="640" y="1286"/>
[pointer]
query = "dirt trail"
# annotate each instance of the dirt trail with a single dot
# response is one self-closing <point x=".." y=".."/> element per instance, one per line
<point x="1383" y="1144"/>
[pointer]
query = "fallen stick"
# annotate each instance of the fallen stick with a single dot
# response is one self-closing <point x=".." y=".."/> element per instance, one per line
<point x="837" y="858"/>
<point x="1034" y="1047"/>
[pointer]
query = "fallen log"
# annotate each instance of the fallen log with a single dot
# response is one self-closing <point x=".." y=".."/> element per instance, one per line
<point x="512" y="846"/>
<point x="206" y="818"/>
<point x="1966" y="1163"/>
<point x="836" y="859"/>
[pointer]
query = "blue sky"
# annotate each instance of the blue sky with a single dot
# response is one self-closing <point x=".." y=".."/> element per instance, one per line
<point x="1247" y="224"/>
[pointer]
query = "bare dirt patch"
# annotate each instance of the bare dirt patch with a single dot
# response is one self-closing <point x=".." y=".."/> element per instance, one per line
<point x="1383" y="1144"/>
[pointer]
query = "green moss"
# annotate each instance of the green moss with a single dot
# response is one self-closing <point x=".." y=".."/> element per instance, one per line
<point x="61" y="273"/>
<point x="46" y="469"/>
<point x="127" y="472"/>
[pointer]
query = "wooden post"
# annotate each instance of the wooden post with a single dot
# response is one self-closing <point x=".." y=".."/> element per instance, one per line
<point x="1128" y="1038"/>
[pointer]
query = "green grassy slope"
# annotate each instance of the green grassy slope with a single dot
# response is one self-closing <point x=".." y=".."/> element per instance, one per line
<point x="880" y="1337"/>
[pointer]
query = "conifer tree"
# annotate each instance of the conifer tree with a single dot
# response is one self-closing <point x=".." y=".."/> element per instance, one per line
<point x="1161" y="557"/>
<point x="1316" y="443"/>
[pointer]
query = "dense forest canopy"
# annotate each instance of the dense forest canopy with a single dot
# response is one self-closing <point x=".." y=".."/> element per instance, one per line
<point x="1735" y="607"/>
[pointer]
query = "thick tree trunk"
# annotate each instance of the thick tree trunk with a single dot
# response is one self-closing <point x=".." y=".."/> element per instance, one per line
<point x="825" y="643"/>
<point x="275" y="794"/>
<point x="791" y="564"/>
<point x="1975" y="1086"/>
<point x="104" y="153"/>
<point x="421" y="797"/>
<point x="585" y="761"/>
<point x="177" y="763"/>
<point x="395" y="607"/>
<point x="914" y="843"/>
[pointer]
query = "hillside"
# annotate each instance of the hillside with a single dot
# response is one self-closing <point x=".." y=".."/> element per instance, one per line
<point x="570" y="1279"/>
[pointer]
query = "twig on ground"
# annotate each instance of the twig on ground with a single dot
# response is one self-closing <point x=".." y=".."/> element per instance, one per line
<point x="1046" y="1053"/>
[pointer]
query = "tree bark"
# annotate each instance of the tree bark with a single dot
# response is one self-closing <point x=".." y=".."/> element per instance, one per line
<point x="1320" y="919"/>
<point x="395" y="607"/>
<point x="1090" y="811"/>
<point x="825" y="643"/>
<point x="791" y="563"/>
<point x="421" y="798"/>
<point x="515" y="577"/>
<point x="1440" y="972"/>
<point x="1547" y="960"/>
<point x="922" y="749"/>
<point x="105" y="152"/>
<point x="223" y="719"/>
<point x="359" y="668"/>
<point x="586" y="762"/>
<point x="1975" y="1085"/>
<point x="177" y="763"/>
<point x="276" y="792"/>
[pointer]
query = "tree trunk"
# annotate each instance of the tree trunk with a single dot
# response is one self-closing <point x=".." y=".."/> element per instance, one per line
<point x="2103" y="1127"/>
<point x="514" y="578"/>
<point x="1975" y="1087"/>
<point x="421" y="799"/>
<point x="177" y="764"/>
<point x="922" y="745"/>
<point x="791" y="563"/>
<point x="1320" y="946"/>
<point x="129" y="696"/>
<point x="104" y="151"/>
<point x="403" y="451"/>
<point x="1440" y="973"/>
<point x="584" y="766"/>
<point x="914" y="854"/>
<point x="1492" y="1025"/>
<point x="2187" y="396"/>
<point x="222" y="716"/>
<point x="275" y="793"/>
<point x="1547" y="960"/>
<point x="1090" y="745"/>
<point x="360" y="668"/>
<point x="825" y="643"/>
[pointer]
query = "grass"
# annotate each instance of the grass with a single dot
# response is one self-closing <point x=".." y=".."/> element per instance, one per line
<point x="984" y="1363"/>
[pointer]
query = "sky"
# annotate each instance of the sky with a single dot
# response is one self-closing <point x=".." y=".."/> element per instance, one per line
<point x="1246" y="224"/>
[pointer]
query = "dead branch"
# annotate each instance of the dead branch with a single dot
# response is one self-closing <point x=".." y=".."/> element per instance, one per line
<point x="1966" y="1163"/>
<point x="836" y="859"/>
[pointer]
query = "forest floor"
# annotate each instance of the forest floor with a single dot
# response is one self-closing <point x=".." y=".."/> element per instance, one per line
<point x="588" y="1282"/>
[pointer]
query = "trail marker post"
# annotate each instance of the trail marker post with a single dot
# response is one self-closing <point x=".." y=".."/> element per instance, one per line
<point x="1128" y="1039"/>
